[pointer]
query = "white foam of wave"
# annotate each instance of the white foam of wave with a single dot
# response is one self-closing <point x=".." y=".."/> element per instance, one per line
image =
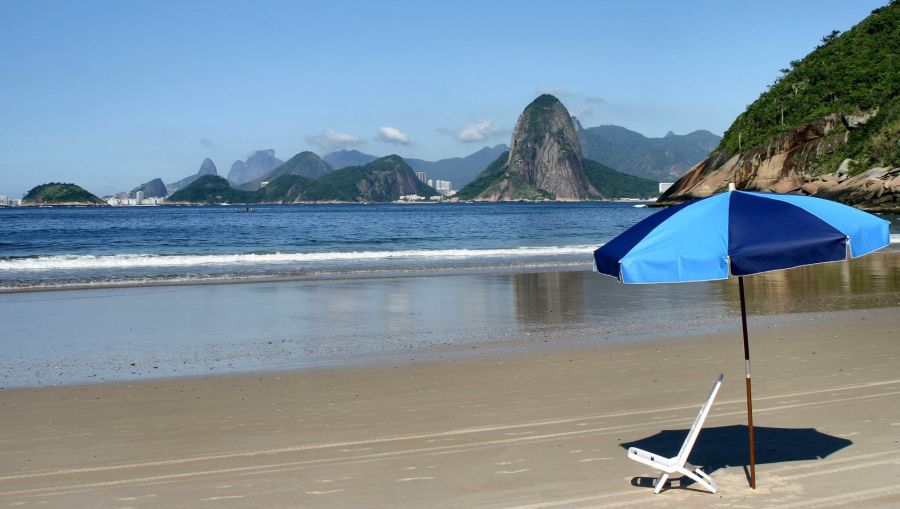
<point x="127" y="261"/>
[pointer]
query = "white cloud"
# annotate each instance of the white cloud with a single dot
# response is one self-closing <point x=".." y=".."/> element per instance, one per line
<point x="206" y="142"/>
<point x="393" y="135"/>
<point x="330" y="139"/>
<point x="582" y="111"/>
<point x="596" y="99"/>
<point x="477" y="131"/>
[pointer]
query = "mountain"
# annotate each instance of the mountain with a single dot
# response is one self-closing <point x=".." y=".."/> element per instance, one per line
<point x="211" y="189"/>
<point x="305" y="164"/>
<point x="207" y="167"/>
<point x="828" y="127"/>
<point x="458" y="170"/>
<point x="661" y="159"/>
<point x="613" y="184"/>
<point x="255" y="166"/>
<point x="344" y="158"/>
<point x="544" y="160"/>
<point x="56" y="193"/>
<point x="153" y="189"/>
<point x="383" y="180"/>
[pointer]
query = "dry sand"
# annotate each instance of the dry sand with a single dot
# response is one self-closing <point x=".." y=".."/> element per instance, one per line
<point x="526" y="430"/>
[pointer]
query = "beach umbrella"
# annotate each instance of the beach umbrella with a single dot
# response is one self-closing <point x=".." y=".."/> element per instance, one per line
<point x="739" y="233"/>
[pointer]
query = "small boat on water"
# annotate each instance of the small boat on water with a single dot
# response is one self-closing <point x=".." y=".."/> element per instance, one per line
<point x="246" y="210"/>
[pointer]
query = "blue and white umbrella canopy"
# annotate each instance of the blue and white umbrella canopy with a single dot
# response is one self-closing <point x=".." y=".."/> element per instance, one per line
<point x="739" y="233"/>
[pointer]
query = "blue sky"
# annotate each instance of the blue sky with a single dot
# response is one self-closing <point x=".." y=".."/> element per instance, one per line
<point x="112" y="94"/>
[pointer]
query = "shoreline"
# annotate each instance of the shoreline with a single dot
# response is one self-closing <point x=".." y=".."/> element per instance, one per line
<point x="568" y="265"/>
<point x="520" y="429"/>
<point x="158" y="331"/>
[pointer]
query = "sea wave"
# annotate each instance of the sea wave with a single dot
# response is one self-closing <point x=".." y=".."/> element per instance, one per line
<point x="127" y="261"/>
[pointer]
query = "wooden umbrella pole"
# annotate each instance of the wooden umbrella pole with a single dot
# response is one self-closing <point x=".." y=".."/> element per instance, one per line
<point x="749" y="392"/>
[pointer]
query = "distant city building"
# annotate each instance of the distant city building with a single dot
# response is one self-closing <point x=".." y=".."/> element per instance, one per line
<point x="139" y="196"/>
<point x="263" y="184"/>
<point x="4" y="200"/>
<point x="664" y="186"/>
<point x="430" y="183"/>
<point x="443" y="187"/>
<point x="422" y="176"/>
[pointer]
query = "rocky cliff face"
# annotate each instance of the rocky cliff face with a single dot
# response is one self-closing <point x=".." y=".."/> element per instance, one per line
<point x="258" y="164"/>
<point x="544" y="160"/>
<point x="787" y="164"/>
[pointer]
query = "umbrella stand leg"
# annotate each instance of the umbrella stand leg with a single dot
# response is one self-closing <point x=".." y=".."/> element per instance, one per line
<point x="749" y="394"/>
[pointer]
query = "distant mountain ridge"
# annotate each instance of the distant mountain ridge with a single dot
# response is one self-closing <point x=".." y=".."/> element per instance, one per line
<point x="152" y="189"/>
<point x="255" y="166"/>
<point x="383" y="180"/>
<point x="343" y="158"/>
<point x="459" y="170"/>
<point x="305" y="164"/>
<point x="207" y="167"/>
<point x="661" y="159"/>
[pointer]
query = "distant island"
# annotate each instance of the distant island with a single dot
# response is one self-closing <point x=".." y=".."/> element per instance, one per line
<point x="60" y="194"/>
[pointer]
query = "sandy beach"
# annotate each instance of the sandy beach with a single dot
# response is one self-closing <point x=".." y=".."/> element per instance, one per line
<point x="528" y="429"/>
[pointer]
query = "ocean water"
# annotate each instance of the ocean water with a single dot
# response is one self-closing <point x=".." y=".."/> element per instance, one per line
<point x="97" y="247"/>
<point x="57" y="247"/>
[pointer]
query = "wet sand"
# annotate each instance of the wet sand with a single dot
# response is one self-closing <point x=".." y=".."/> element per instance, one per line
<point x="127" y="334"/>
<point x="527" y="429"/>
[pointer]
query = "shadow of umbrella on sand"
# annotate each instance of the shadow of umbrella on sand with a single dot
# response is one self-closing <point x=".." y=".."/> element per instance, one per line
<point x="725" y="446"/>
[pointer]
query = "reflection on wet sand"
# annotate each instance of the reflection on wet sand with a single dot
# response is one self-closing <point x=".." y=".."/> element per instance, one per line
<point x="549" y="297"/>
<point x="870" y="281"/>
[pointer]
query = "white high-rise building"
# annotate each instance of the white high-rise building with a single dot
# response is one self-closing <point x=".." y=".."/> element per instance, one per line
<point x="421" y="175"/>
<point x="4" y="200"/>
<point x="443" y="187"/>
<point x="139" y="196"/>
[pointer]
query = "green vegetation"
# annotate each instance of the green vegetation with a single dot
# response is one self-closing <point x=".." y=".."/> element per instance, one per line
<point x="305" y="164"/>
<point x="57" y="193"/>
<point x="613" y="184"/>
<point x="486" y="178"/>
<point x="382" y="180"/>
<point x="212" y="189"/>
<point x="855" y="72"/>
<point x="284" y="189"/>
